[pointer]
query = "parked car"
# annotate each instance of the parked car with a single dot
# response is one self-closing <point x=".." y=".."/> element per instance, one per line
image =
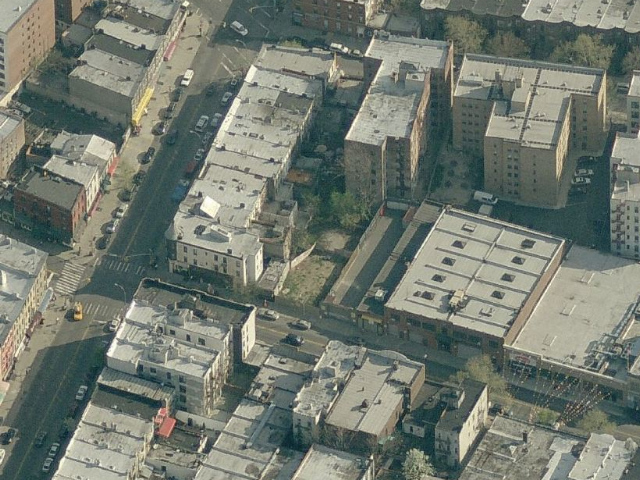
<point x="172" y="138"/>
<point x="160" y="128"/>
<point x="53" y="450"/>
<point x="202" y="123"/>
<point x="139" y="177"/>
<point x="355" y="340"/>
<point x="148" y="156"/>
<point x="40" y="439"/>
<point x="584" y="172"/>
<point x="113" y="226"/>
<point x="293" y="339"/>
<point x="7" y="437"/>
<point x="233" y="84"/>
<point x="177" y="94"/>
<point x="216" y="120"/>
<point x="113" y="325"/>
<point x="239" y="28"/>
<point x="46" y="466"/>
<point x="82" y="392"/>
<point x="121" y="210"/>
<point x="125" y="195"/>
<point x="168" y="113"/>
<point x="211" y="90"/>
<point x="224" y="101"/>
<point x="199" y="155"/>
<point x="580" y="181"/>
<point x="268" y="314"/>
<point x="301" y="325"/>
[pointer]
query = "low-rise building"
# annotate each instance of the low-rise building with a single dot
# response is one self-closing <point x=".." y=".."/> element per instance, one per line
<point x="355" y="397"/>
<point x="472" y="285"/>
<point x="174" y="347"/>
<point x="23" y="281"/>
<point x="11" y="140"/>
<point x="633" y="104"/>
<point x="330" y="464"/>
<point x="50" y="206"/>
<point x="525" y="118"/>
<point x="512" y="450"/>
<point x="386" y="147"/>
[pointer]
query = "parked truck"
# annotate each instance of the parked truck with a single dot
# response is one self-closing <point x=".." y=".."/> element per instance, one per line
<point x="484" y="197"/>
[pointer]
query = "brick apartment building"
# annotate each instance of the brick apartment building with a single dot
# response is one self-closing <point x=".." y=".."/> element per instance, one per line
<point x="349" y="17"/>
<point x="68" y="10"/>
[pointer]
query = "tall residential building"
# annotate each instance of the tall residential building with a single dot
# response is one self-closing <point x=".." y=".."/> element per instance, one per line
<point x="525" y="118"/>
<point x="409" y="94"/>
<point x="349" y="17"/>
<point x="27" y="33"/>
<point x="625" y="196"/>
<point x="11" y="140"/>
<point x="633" y="104"/>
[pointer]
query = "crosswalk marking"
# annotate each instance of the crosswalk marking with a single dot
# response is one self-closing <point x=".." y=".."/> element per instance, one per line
<point x="69" y="278"/>
<point x="101" y="310"/>
<point x="123" y="267"/>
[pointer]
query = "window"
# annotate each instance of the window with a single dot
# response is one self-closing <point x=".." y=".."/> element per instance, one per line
<point x="181" y="379"/>
<point x="183" y="389"/>
<point x="172" y="332"/>
<point x="429" y="327"/>
<point x="507" y="277"/>
<point x="183" y="399"/>
<point x="168" y="375"/>
<point x="153" y="370"/>
<point x="498" y="294"/>
<point x="425" y="294"/>
<point x="188" y="337"/>
<point x="185" y="249"/>
<point x="201" y="341"/>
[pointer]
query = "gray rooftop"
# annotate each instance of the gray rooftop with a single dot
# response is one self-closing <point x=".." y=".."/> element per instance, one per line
<point x="586" y="308"/>
<point x="547" y="455"/>
<point x="109" y="71"/>
<point x="306" y="61"/>
<point x="8" y="124"/>
<point x="55" y="190"/>
<point x="616" y="14"/>
<point x="79" y="172"/>
<point x="165" y="9"/>
<point x="534" y="113"/>
<point x="625" y="150"/>
<point x="325" y="463"/>
<point x="134" y="385"/>
<point x="634" y="85"/>
<point x="422" y="52"/>
<point x="12" y="11"/>
<point x="90" y="149"/>
<point x="626" y="162"/>
<point x="495" y="264"/>
<point x="130" y="34"/>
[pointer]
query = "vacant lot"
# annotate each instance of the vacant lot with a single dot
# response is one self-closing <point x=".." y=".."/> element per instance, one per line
<point x="306" y="284"/>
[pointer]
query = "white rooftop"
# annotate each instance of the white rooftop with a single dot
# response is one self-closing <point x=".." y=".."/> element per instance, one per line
<point x="586" y="307"/>
<point x="534" y="113"/>
<point x="128" y="33"/>
<point x="109" y="71"/>
<point x="79" y="172"/>
<point x="308" y="61"/>
<point x="634" y="85"/>
<point x="20" y="265"/>
<point x="160" y="8"/>
<point x="8" y="124"/>
<point x="495" y="264"/>
<point x="90" y="149"/>
<point x="325" y="463"/>
<point x="12" y="11"/>
<point x="418" y="51"/>
<point x="104" y="445"/>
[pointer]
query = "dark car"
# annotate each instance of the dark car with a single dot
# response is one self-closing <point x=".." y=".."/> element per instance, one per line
<point x="160" y="128"/>
<point x="103" y="242"/>
<point x="125" y="195"/>
<point x="358" y="341"/>
<point x="211" y="90"/>
<point x="177" y="94"/>
<point x="139" y="177"/>
<point x="293" y="339"/>
<point x="168" y="113"/>
<point x="172" y="138"/>
<point x="7" y="437"/>
<point x="40" y="439"/>
<point x="148" y="155"/>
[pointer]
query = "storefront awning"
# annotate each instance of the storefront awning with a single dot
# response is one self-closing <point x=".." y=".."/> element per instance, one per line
<point x="144" y="101"/>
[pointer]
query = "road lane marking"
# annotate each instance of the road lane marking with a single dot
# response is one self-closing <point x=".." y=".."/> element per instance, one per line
<point x="227" y="58"/>
<point x="230" y="72"/>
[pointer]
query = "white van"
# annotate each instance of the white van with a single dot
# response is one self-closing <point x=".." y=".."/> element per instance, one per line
<point x="203" y="121"/>
<point x="186" y="78"/>
<point x="484" y="197"/>
<point x="240" y="29"/>
<point x="339" y="48"/>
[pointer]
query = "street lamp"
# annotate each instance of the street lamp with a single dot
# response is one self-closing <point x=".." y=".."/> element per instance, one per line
<point x="124" y="292"/>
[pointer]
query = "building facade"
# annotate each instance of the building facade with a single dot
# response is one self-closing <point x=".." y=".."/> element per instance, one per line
<point x="337" y="16"/>
<point x="625" y="196"/>
<point x="67" y="11"/>
<point x="525" y="118"/>
<point x="27" y="34"/>
<point x="11" y="140"/>
<point x="633" y="104"/>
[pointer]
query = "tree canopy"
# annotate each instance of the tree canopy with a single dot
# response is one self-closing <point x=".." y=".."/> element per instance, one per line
<point x="507" y="45"/>
<point x="586" y="51"/>
<point x="416" y="465"/>
<point x="596" y="420"/>
<point x="466" y="35"/>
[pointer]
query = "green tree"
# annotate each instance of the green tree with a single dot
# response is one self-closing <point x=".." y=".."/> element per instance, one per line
<point x="507" y="45"/>
<point x="466" y="35"/>
<point x="481" y="369"/>
<point x="346" y="210"/>
<point x="596" y="420"/>
<point x="586" y="51"/>
<point x="631" y="60"/>
<point x="416" y="465"/>
<point x="546" y="416"/>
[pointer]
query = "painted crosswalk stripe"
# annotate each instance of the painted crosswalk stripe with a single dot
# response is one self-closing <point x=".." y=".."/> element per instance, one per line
<point x="69" y="278"/>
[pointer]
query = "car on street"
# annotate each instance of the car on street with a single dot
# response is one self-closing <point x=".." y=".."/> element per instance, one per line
<point x="177" y="94"/>
<point x="216" y="120"/>
<point x="112" y="326"/>
<point x="293" y="339"/>
<point x="112" y="227"/>
<point x="77" y="312"/>
<point x="584" y="172"/>
<point x="179" y="193"/>
<point x="206" y="138"/>
<point x="40" y="439"/>
<point x="125" y="195"/>
<point x="148" y="155"/>
<point x="211" y="90"/>
<point x="53" y="450"/>
<point x="82" y="392"/>
<point x="224" y="101"/>
<point x="233" y="84"/>
<point x="355" y="340"/>
<point x="46" y="466"/>
<point x="199" y="155"/>
<point x="580" y="181"/>
<point x="301" y="325"/>
<point x="121" y="210"/>
<point x="268" y="314"/>
<point x="240" y="29"/>
<point x="187" y="77"/>
<point x="160" y="128"/>
<point x="202" y="123"/>
<point x="139" y="177"/>
<point x="172" y="138"/>
<point x="168" y="113"/>
<point x="7" y="437"/>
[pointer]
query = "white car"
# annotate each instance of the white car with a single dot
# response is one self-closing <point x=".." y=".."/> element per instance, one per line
<point x="580" y="181"/>
<point x="53" y="450"/>
<point x="112" y="326"/>
<point x="302" y="325"/>
<point x="122" y="209"/>
<point x="239" y="28"/>
<point x="269" y="314"/>
<point x="113" y="226"/>
<point x="584" y="172"/>
<point x="82" y="392"/>
<point x="46" y="467"/>
<point x="199" y="155"/>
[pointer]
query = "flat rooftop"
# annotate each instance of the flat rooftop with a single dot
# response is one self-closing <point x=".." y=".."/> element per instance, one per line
<point x="418" y="51"/>
<point x="11" y="12"/>
<point x="547" y="454"/>
<point x="133" y="385"/>
<point x="90" y="149"/>
<point x="314" y="62"/>
<point x="131" y="34"/>
<point x="325" y="463"/>
<point x="79" y="172"/>
<point x="533" y="114"/>
<point x="165" y="9"/>
<point x="634" y="85"/>
<point x="585" y="309"/>
<point x="8" y="124"/>
<point x="625" y="150"/>
<point x="109" y="71"/>
<point x="55" y="190"/>
<point x="496" y="264"/>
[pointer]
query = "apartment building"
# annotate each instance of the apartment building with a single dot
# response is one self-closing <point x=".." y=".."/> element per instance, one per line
<point x="330" y="464"/>
<point x="633" y="104"/>
<point x="348" y="17"/>
<point x="174" y="346"/>
<point x="386" y="147"/>
<point x="67" y="11"/>
<point x="23" y="281"/>
<point x="11" y="140"/>
<point x="625" y="196"/>
<point x="525" y="118"/>
<point x="27" y="34"/>
<point x="472" y="284"/>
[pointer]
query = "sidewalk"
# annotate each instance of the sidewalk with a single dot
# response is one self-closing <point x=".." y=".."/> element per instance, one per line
<point x="84" y="252"/>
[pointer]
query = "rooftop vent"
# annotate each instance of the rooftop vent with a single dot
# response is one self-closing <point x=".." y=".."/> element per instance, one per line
<point x="438" y="278"/>
<point x="459" y="244"/>
<point x="517" y="260"/>
<point x="448" y="261"/>
<point x="498" y="294"/>
<point x="507" y="277"/>
<point x="528" y="243"/>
